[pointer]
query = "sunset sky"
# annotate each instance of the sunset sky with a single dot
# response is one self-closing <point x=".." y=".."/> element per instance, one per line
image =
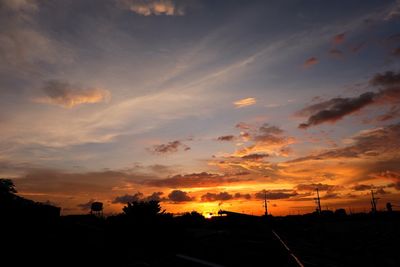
<point x="201" y="104"/>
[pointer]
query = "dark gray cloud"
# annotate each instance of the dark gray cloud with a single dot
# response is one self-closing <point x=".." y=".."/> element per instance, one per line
<point x="179" y="196"/>
<point x="275" y="194"/>
<point x="223" y="196"/>
<point x="335" y="109"/>
<point x="67" y="95"/>
<point x="269" y="135"/>
<point x="314" y="186"/>
<point x="243" y="126"/>
<point x="157" y="196"/>
<point x="362" y="187"/>
<point x="388" y="78"/>
<point x="128" y="198"/>
<point x="371" y="143"/>
<point x="226" y="138"/>
<point x="255" y="156"/>
<point x="138" y="197"/>
<point x="242" y="195"/>
<point x="336" y="53"/>
<point x="170" y="147"/>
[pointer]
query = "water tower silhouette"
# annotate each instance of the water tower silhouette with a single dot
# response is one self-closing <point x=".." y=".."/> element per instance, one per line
<point x="96" y="209"/>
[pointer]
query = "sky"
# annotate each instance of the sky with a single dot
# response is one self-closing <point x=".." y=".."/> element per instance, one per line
<point x="201" y="104"/>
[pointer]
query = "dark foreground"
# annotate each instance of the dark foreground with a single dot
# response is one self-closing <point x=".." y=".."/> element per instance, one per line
<point x="191" y="240"/>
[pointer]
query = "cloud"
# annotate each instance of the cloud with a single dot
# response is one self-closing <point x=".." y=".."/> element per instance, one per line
<point x="157" y="196"/>
<point x="138" y="197"/>
<point x="67" y="95"/>
<point x="310" y="62"/>
<point x="203" y="179"/>
<point x="336" y="108"/>
<point x="336" y="53"/>
<point x="243" y="126"/>
<point x="313" y="187"/>
<point x="394" y="12"/>
<point x="179" y="196"/>
<point x="223" y="196"/>
<point x="245" y="102"/>
<point x="50" y="182"/>
<point x="388" y="78"/>
<point x="357" y="48"/>
<point x="392" y="113"/>
<point x="362" y="187"/>
<point x="339" y="38"/>
<point x="371" y="143"/>
<point x="275" y="194"/>
<point x="20" y="5"/>
<point x="266" y="140"/>
<point x="392" y="175"/>
<point x="256" y="156"/>
<point x="242" y="195"/>
<point x="170" y="147"/>
<point x="226" y="138"/>
<point x="154" y="7"/>
<point x="128" y="198"/>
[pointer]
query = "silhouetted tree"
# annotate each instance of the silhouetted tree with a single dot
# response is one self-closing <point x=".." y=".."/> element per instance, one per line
<point x="7" y="186"/>
<point x="143" y="209"/>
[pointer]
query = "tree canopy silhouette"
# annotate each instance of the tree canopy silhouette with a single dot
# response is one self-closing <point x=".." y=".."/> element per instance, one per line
<point x="7" y="186"/>
<point x="143" y="209"/>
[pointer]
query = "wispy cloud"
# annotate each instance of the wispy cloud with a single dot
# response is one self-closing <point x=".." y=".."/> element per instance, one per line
<point x="245" y="102"/>
<point x="170" y="147"/>
<point x="154" y="7"/>
<point x="68" y="95"/>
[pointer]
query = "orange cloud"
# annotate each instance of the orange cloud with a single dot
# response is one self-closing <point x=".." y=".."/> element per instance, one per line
<point x="339" y="38"/>
<point x="245" y="102"/>
<point x="153" y="7"/>
<point x="310" y="62"/>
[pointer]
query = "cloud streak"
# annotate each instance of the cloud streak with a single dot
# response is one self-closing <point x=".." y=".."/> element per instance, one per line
<point x="245" y="102"/>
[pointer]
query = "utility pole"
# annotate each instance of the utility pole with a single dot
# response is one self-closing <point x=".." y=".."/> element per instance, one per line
<point x="374" y="201"/>
<point x="318" y="202"/>
<point x="265" y="203"/>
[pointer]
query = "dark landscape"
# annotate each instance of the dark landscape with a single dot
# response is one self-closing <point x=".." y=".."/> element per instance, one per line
<point x="33" y="234"/>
